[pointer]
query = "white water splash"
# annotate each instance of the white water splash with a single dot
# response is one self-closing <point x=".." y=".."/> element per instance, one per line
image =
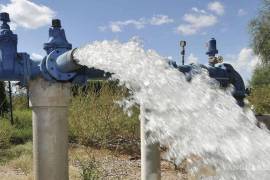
<point x="191" y="118"/>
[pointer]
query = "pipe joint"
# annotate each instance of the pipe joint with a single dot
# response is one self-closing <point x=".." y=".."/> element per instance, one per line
<point x="51" y="69"/>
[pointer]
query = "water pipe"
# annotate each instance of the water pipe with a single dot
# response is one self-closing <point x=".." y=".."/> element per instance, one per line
<point x="49" y="95"/>
<point x="49" y="83"/>
<point x="223" y="73"/>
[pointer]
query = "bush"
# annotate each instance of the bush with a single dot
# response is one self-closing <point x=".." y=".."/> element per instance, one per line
<point x="260" y="99"/>
<point x="260" y="93"/>
<point x="23" y="163"/>
<point x="89" y="169"/>
<point x="5" y="133"/>
<point x="22" y="131"/>
<point x="20" y="102"/>
<point x="15" y="152"/>
<point x="261" y="76"/>
<point x="95" y="118"/>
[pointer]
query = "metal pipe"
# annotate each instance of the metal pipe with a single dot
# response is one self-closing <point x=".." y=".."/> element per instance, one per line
<point x="10" y="103"/>
<point x="150" y="156"/>
<point x="67" y="63"/>
<point x="49" y="102"/>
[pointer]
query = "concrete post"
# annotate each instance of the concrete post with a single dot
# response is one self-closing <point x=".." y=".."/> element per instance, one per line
<point x="150" y="157"/>
<point x="49" y="103"/>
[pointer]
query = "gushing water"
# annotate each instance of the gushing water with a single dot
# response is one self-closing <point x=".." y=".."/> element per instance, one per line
<point x="192" y="119"/>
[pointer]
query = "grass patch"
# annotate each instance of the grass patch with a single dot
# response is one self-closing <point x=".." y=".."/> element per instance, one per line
<point x="5" y="133"/>
<point x="84" y="158"/>
<point x="95" y="119"/>
<point x="89" y="169"/>
<point x="23" y="163"/>
<point x="22" y="131"/>
<point x="15" y="152"/>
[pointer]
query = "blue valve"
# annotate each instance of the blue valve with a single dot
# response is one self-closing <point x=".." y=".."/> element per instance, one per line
<point x="57" y="65"/>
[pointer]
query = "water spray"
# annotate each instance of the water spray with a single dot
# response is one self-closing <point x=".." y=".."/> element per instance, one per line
<point x="49" y="82"/>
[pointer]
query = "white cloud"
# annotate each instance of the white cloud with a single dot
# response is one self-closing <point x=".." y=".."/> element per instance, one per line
<point x="198" y="19"/>
<point x="118" y="26"/>
<point x="102" y="28"/>
<point x="27" y="14"/>
<point x="160" y="19"/>
<point x="115" y="27"/>
<point x="245" y="62"/>
<point x="195" y="9"/>
<point x="36" y="56"/>
<point x="196" y="22"/>
<point x="216" y="7"/>
<point x="192" y="59"/>
<point x="241" y="12"/>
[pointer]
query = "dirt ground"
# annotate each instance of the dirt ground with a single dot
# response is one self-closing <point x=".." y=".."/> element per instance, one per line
<point x="111" y="165"/>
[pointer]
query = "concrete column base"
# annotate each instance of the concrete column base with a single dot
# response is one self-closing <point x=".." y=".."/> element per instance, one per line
<point x="49" y="103"/>
<point x="150" y="157"/>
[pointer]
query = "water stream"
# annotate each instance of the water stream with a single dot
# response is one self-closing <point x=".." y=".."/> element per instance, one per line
<point x="192" y="119"/>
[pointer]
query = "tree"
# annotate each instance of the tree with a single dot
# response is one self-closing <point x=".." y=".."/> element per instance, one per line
<point x="260" y="41"/>
<point x="261" y="76"/>
<point x="260" y="33"/>
<point x="260" y="94"/>
<point x="3" y="99"/>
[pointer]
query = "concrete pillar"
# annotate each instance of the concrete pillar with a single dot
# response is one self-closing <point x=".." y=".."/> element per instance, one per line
<point x="49" y="103"/>
<point x="150" y="157"/>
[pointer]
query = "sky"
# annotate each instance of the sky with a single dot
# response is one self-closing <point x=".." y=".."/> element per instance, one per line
<point x="159" y="24"/>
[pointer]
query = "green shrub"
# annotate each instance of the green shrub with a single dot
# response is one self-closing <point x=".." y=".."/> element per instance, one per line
<point x="96" y="119"/>
<point x="260" y="93"/>
<point x="22" y="131"/>
<point x="89" y="169"/>
<point x="20" y="102"/>
<point x="5" y="133"/>
<point x="260" y="99"/>
<point x="15" y="152"/>
<point x="23" y="118"/>
<point x="23" y="163"/>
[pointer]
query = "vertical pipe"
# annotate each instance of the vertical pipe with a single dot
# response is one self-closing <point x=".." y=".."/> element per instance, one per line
<point x="183" y="56"/>
<point x="27" y="95"/>
<point x="10" y="103"/>
<point x="150" y="155"/>
<point x="49" y="103"/>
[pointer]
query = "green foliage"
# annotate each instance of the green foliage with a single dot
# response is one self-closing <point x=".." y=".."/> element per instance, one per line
<point x="260" y="99"/>
<point x="89" y="169"/>
<point x="260" y="93"/>
<point x="20" y="102"/>
<point x="3" y="99"/>
<point x="5" y="133"/>
<point x="260" y="82"/>
<point x="15" y="152"/>
<point x="22" y="131"/>
<point x="261" y="76"/>
<point x="96" y="119"/>
<point x="260" y="33"/>
<point x="23" y="163"/>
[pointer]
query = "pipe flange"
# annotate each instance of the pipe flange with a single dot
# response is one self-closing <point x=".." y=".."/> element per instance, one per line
<point x="44" y="71"/>
<point x="52" y="69"/>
